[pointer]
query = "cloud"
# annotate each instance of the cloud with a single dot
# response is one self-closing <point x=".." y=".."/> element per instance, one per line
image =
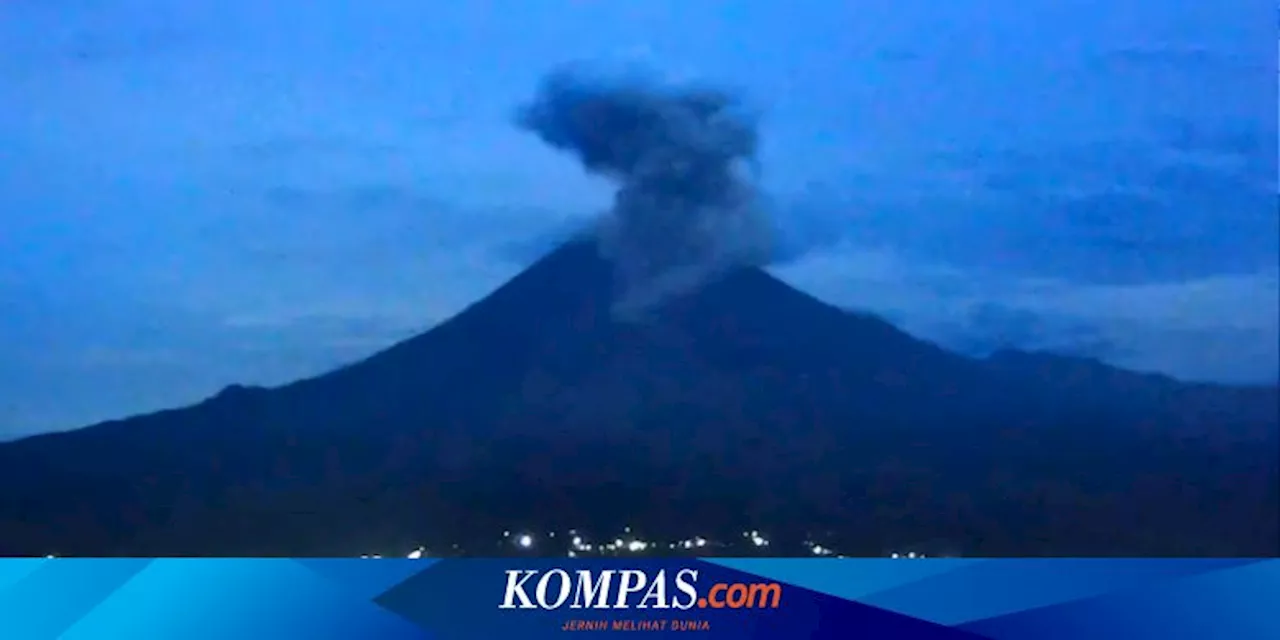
<point x="1221" y="327"/>
<point x="991" y="326"/>
<point x="1253" y="144"/>
<point x="1193" y="202"/>
<point x="682" y="157"/>
<point x="1181" y="59"/>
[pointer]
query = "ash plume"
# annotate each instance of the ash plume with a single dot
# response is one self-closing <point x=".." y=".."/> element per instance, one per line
<point x="683" y="158"/>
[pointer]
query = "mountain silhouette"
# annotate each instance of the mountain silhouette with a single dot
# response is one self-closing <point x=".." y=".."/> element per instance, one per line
<point x="745" y="404"/>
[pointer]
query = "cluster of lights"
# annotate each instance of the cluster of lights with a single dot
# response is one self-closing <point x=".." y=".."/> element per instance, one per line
<point x="690" y="543"/>
<point x="628" y="543"/>
<point x="817" y="549"/>
<point x="624" y="544"/>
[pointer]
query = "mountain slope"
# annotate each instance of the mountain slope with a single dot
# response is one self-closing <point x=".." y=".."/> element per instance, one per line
<point x="745" y="404"/>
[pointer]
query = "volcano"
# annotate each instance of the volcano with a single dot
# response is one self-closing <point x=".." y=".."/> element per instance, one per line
<point x="743" y="405"/>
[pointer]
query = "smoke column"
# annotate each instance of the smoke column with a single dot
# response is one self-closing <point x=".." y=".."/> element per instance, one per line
<point x="683" y="158"/>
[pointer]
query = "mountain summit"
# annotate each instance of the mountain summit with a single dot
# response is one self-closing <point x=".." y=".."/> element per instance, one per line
<point x="741" y="404"/>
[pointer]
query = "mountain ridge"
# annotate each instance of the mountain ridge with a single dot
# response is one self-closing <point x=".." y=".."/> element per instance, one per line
<point x="580" y="243"/>
<point x="746" y="401"/>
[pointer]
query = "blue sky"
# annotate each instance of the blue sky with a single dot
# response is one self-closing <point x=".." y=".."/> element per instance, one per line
<point x="195" y="193"/>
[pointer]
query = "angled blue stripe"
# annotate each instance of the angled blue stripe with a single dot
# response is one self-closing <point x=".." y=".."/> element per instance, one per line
<point x="1237" y="602"/>
<point x="14" y="569"/>
<point x="367" y="579"/>
<point x="999" y="587"/>
<point x="59" y="592"/>
<point x="235" y="599"/>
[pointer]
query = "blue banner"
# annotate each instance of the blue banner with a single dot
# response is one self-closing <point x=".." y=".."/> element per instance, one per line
<point x="456" y="599"/>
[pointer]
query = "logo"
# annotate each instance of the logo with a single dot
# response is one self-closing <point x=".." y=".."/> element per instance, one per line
<point x="631" y="589"/>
